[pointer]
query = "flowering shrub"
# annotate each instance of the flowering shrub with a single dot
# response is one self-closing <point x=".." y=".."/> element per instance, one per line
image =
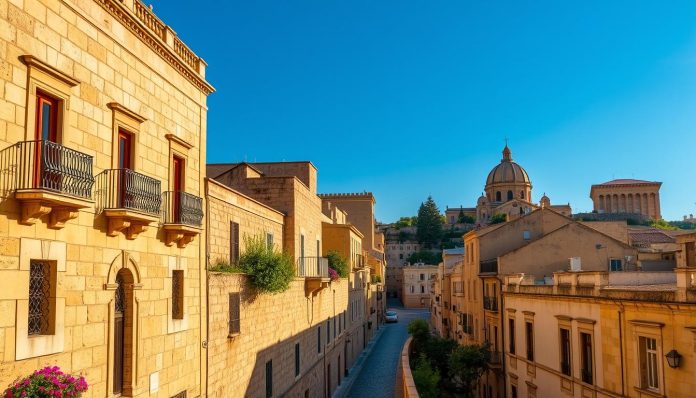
<point x="49" y="382"/>
<point x="333" y="274"/>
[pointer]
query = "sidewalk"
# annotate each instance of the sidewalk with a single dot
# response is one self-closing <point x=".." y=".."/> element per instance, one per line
<point x="344" y="389"/>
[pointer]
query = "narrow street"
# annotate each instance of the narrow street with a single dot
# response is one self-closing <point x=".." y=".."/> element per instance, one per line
<point x="377" y="378"/>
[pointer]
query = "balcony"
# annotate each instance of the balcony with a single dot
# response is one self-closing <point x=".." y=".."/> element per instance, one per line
<point x="315" y="271"/>
<point x="490" y="304"/>
<point x="359" y="262"/>
<point x="488" y="266"/>
<point x="47" y="178"/>
<point x="182" y="216"/>
<point x="129" y="200"/>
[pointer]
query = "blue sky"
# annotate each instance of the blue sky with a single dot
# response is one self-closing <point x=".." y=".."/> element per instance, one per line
<point x="414" y="98"/>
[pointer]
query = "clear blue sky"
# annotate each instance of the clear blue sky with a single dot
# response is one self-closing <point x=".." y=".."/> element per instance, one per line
<point x="411" y="98"/>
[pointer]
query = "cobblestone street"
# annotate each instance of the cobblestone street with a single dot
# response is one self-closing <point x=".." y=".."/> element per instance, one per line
<point x="377" y="378"/>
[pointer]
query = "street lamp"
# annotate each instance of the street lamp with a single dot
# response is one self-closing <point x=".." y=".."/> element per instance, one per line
<point x="673" y="359"/>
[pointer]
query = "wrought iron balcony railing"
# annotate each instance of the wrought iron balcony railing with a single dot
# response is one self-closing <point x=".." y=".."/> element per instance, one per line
<point x="48" y="166"/>
<point x="489" y="266"/>
<point x="182" y="208"/>
<point x="490" y="303"/>
<point x="127" y="189"/>
<point x="313" y="267"/>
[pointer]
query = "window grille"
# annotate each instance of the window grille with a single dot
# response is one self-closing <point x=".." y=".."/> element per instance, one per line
<point x="39" y="297"/>
<point x="178" y="294"/>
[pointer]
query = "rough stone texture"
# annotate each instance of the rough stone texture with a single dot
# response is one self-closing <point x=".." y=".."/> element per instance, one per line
<point x="80" y="39"/>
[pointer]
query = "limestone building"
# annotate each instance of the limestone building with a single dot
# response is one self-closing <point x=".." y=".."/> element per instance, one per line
<point x="102" y="134"/>
<point x="417" y="285"/>
<point x="306" y="346"/>
<point x="627" y="196"/>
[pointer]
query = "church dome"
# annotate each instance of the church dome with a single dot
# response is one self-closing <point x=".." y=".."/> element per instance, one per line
<point x="507" y="172"/>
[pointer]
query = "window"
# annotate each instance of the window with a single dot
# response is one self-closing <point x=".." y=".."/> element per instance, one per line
<point x="647" y="351"/>
<point x="178" y="294"/>
<point x="529" y="332"/>
<point x="269" y="241"/>
<point x="422" y="277"/>
<point x="41" y="304"/>
<point x="412" y="289"/>
<point x="509" y="195"/>
<point x="513" y="391"/>
<point x="46" y="117"/>
<point x="615" y="265"/>
<point x="297" y="359"/>
<point x="234" y="326"/>
<point x="269" y="379"/>
<point x="125" y="149"/>
<point x="319" y="340"/>
<point x="586" y="357"/>
<point x="565" y="351"/>
<point x="422" y="289"/>
<point x="234" y="243"/>
<point x="521" y="194"/>
<point x="511" y="335"/>
<point x="498" y="196"/>
<point x="526" y="235"/>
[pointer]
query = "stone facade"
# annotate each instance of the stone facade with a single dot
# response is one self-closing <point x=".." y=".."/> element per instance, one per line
<point x="627" y="196"/>
<point x="418" y="280"/>
<point x="89" y="71"/>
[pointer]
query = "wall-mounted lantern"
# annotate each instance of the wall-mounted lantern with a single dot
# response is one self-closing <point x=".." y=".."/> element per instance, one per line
<point x="673" y="359"/>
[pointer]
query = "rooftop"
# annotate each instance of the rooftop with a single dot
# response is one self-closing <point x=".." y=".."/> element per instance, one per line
<point x="626" y="181"/>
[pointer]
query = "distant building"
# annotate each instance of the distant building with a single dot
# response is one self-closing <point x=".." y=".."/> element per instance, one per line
<point x="508" y="191"/>
<point x="417" y="284"/>
<point x="627" y="196"/>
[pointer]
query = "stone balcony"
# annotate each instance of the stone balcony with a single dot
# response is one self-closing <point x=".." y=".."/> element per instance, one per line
<point x="47" y="178"/>
<point x="182" y="217"/>
<point x="129" y="200"/>
<point x="315" y="271"/>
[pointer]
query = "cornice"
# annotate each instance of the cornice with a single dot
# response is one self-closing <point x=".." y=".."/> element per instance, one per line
<point x="155" y="43"/>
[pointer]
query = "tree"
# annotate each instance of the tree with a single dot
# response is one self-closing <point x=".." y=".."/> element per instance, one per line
<point x="439" y="351"/>
<point x="498" y="218"/>
<point x="467" y="363"/>
<point x="429" y="223"/>
<point x="405" y="222"/>
<point x="464" y="219"/>
<point x="420" y="331"/>
<point x="426" y="257"/>
<point x="426" y="378"/>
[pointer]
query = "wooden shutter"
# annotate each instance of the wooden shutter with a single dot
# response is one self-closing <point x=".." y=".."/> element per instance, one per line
<point x="234" y="314"/>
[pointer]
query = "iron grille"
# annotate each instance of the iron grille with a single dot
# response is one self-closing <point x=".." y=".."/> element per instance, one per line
<point x="47" y="165"/>
<point x="120" y="302"/>
<point x="182" y="208"/>
<point x="178" y="294"/>
<point x="234" y="321"/>
<point x="39" y="297"/>
<point x="127" y="189"/>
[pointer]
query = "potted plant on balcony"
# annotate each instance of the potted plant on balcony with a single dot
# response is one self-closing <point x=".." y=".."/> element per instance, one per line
<point x="338" y="264"/>
<point x="49" y="382"/>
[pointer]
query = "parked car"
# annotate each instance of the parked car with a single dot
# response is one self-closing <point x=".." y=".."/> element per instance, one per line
<point x="391" y="316"/>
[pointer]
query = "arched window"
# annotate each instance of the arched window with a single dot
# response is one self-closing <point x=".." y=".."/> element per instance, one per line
<point x="123" y="332"/>
<point x="521" y="194"/>
<point x="498" y="196"/>
<point x="509" y="196"/>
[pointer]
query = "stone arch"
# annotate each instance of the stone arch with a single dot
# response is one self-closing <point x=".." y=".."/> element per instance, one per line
<point x="123" y="261"/>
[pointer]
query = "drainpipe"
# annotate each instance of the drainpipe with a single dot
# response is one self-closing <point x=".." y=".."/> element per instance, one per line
<point x="207" y="285"/>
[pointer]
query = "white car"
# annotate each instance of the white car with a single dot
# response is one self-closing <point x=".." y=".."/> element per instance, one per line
<point x="391" y="316"/>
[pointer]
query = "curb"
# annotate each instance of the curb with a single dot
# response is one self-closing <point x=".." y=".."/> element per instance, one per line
<point x="344" y="389"/>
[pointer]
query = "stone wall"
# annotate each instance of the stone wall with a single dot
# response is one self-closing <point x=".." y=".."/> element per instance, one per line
<point x="269" y="332"/>
<point x="226" y="206"/>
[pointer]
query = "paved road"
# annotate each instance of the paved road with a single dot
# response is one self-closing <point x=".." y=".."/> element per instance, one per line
<point x="378" y="376"/>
